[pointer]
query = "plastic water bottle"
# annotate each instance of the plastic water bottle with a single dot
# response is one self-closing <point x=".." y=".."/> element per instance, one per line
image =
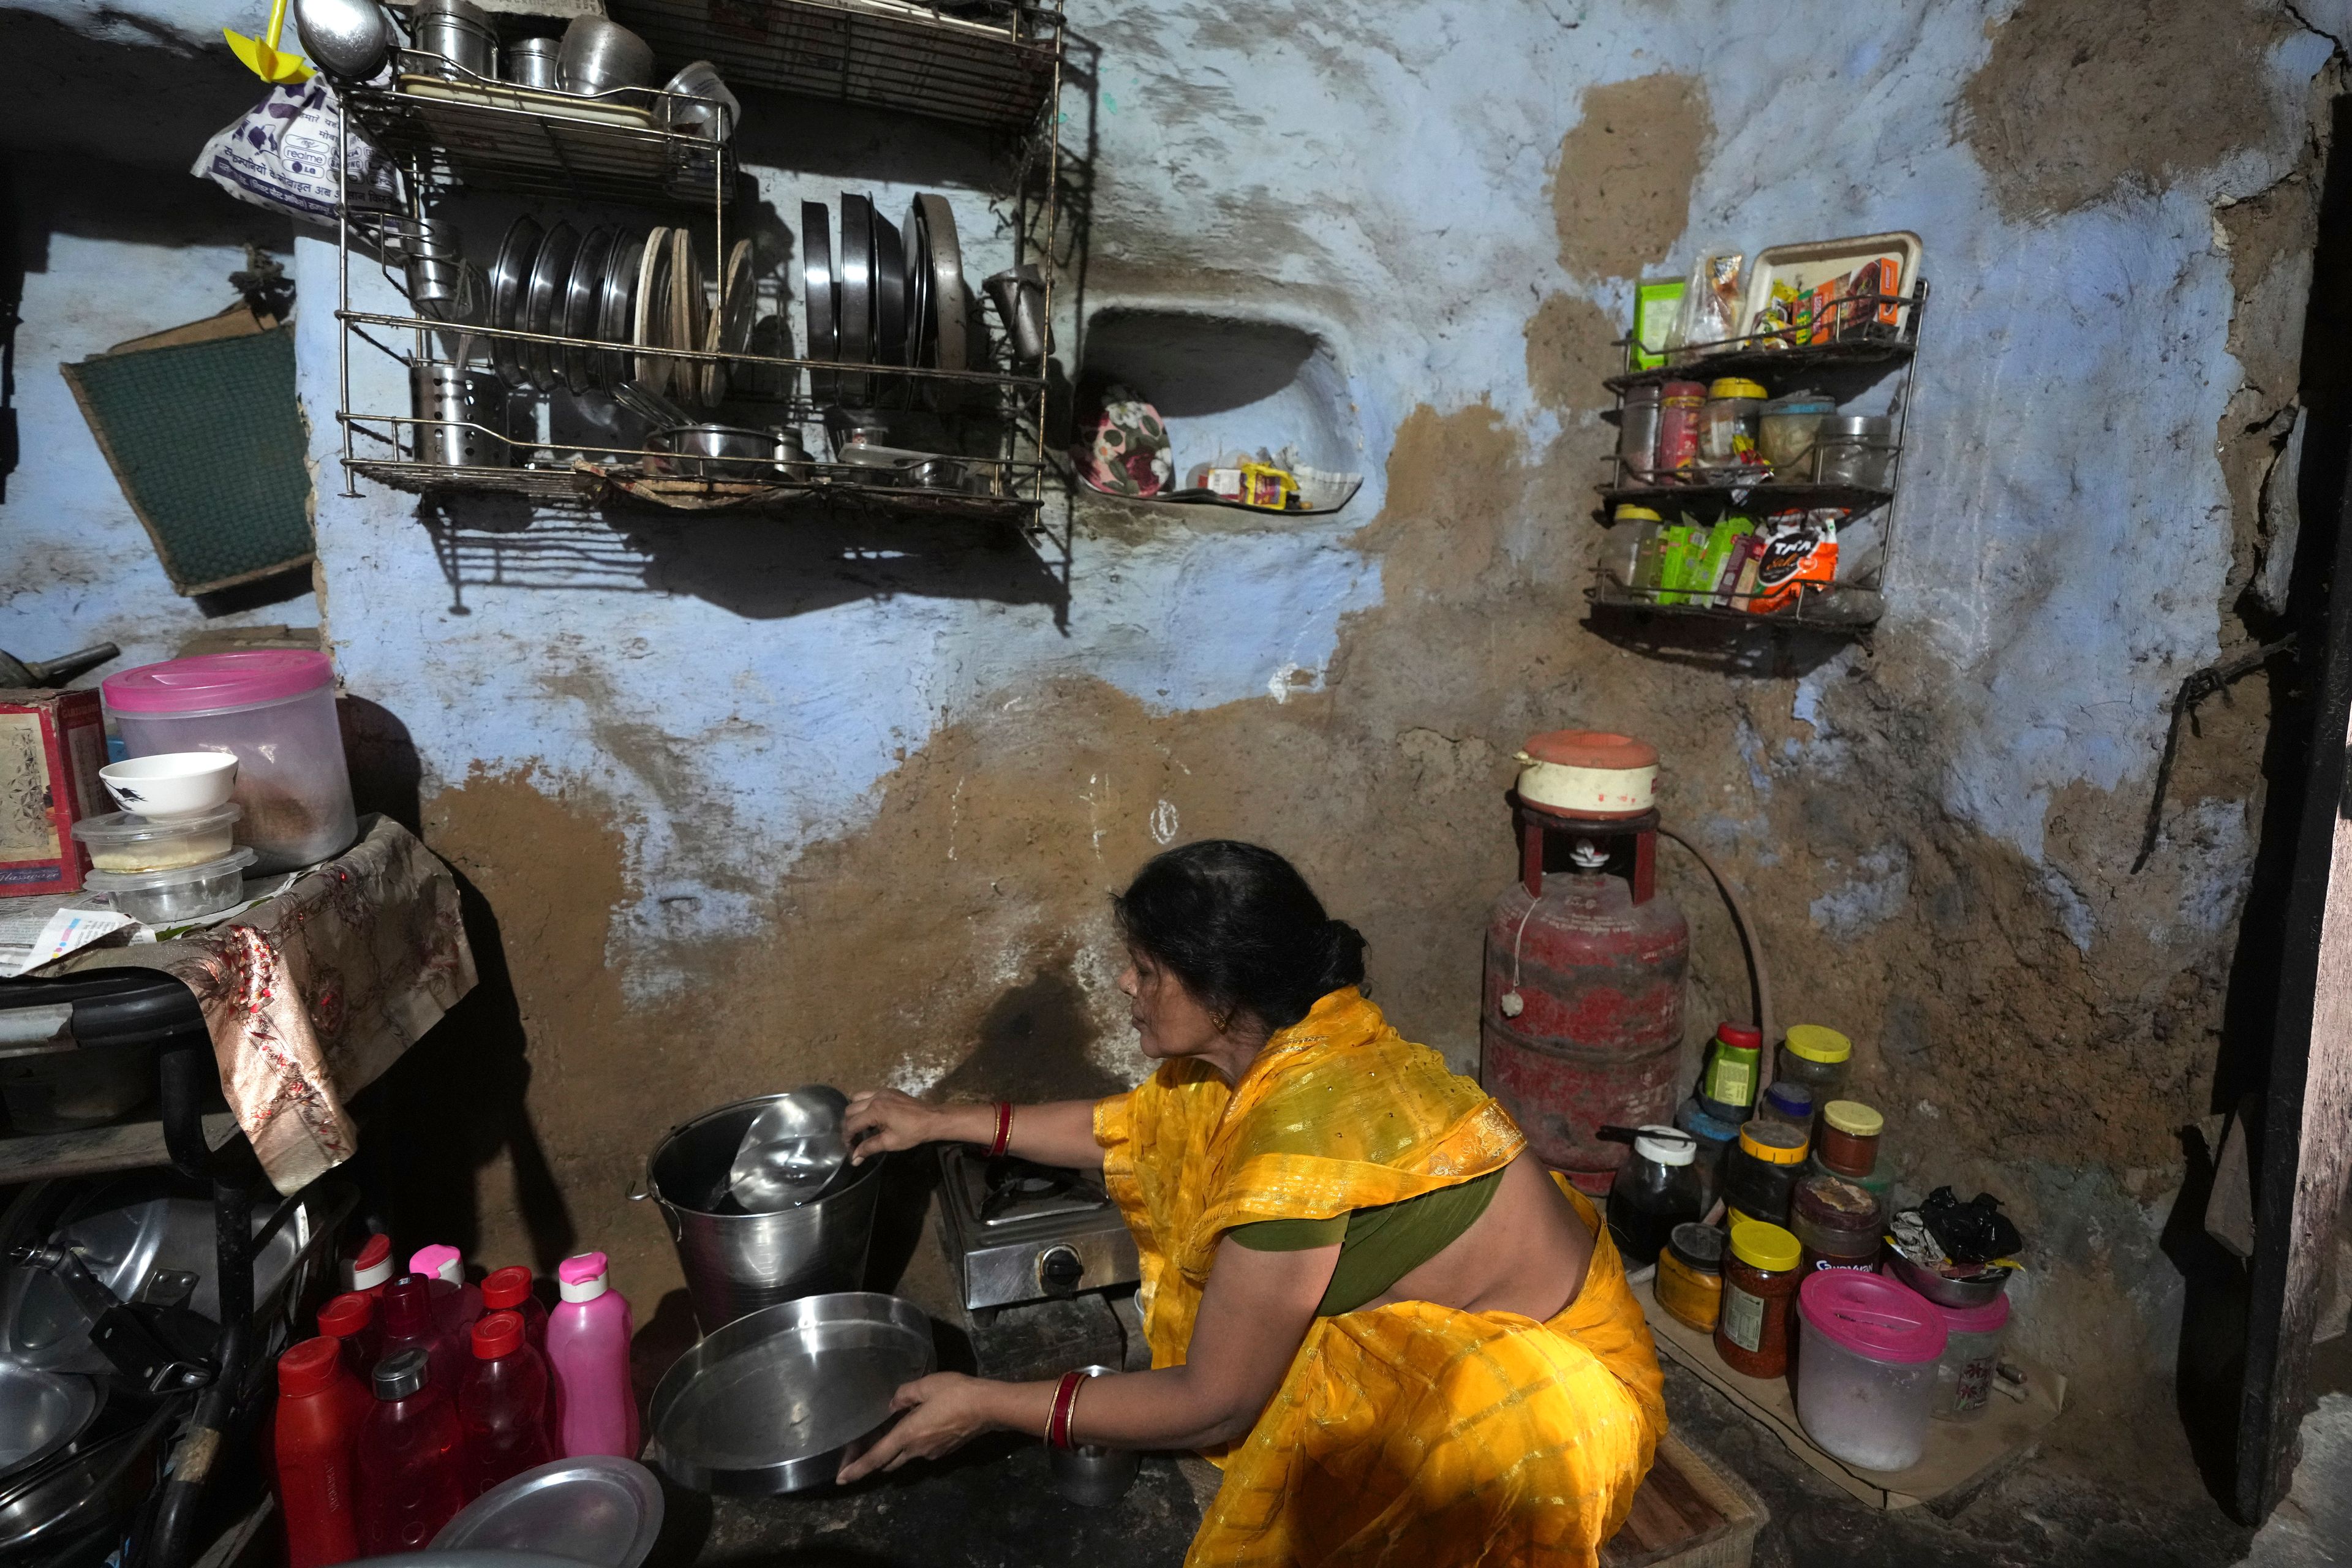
<point x="411" y="1470"/>
<point x="588" y="1342"/>
<point x="509" y="1290"/>
<point x="457" y="1304"/>
<point x="371" y="1266"/>
<point x="410" y="1323"/>
<point x="502" y="1409"/>
<point x="350" y="1318"/>
<point x="314" y="1445"/>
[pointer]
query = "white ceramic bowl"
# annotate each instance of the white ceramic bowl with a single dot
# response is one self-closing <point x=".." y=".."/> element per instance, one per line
<point x="174" y="784"/>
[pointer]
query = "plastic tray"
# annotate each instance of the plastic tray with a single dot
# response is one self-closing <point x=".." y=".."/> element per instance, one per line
<point x="1817" y="261"/>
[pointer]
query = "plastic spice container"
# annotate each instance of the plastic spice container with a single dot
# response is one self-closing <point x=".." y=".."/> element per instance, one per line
<point x="1971" y="1351"/>
<point x="1690" y="1276"/>
<point x="1728" y="1086"/>
<point x="1843" y="1224"/>
<point x="1716" y="1137"/>
<point x="125" y="841"/>
<point x="168" y="897"/>
<point x="1786" y="1101"/>
<point x="1817" y="1058"/>
<point x="1656" y="1191"/>
<point x="1785" y="431"/>
<point x="1855" y="450"/>
<point x="1762" y="1170"/>
<point x="1758" y="1282"/>
<point x="1637" y="432"/>
<point x="275" y="709"/>
<point x="1620" y="551"/>
<point x="1680" y="403"/>
<point x="1866" y="1362"/>
<point x="1731" y="424"/>
<point x="1847" y="1140"/>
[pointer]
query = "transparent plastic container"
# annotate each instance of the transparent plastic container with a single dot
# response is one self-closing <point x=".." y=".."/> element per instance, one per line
<point x="273" y="708"/>
<point x="1867" y="1360"/>
<point x="123" y="841"/>
<point x="1964" y="1374"/>
<point x="182" y="893"/>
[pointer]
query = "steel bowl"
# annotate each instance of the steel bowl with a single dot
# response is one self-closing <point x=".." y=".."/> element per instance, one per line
<point x="693" y="100"/>
<point x="938" y="474"/>
<point x="536" y="62"/>
<point x="595" y="1509"/>
<point x="714" y="451"/>
<point x="777" y="1401"/>
<point x="1091" y="1474"/>
<point x="599" y="55"/>
<point x="40" y="1413"/>
<point x="1944" y="1290"/>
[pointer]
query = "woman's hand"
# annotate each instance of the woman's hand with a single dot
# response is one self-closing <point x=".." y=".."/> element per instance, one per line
<point x="881" y="1121"/>
<point x="941" y="1412"/>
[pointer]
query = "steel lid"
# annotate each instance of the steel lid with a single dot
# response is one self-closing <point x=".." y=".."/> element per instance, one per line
<point x="600" y="1511"/>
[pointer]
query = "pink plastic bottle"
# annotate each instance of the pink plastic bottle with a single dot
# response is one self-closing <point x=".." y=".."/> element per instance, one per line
<point x="502" y="1409"/>
<point x="411" y="1469"/>
<point x="588" y="1345"/>
<point x="409" y="1323"/>
<point x="457" y="1304"/>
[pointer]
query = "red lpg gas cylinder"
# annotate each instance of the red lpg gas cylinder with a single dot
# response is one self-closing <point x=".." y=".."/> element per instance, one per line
<point x="1582" y="1024"/>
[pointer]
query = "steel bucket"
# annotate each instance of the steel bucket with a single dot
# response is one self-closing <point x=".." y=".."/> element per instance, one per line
<point x="737" y="1263"/>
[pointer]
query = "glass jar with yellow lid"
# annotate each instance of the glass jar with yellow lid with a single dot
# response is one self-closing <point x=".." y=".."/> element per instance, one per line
<point x="1817" y="1058"/>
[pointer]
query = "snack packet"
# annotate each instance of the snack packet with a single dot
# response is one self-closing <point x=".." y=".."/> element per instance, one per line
<point x="1800" y="548"/>
<point x="1710" y="313"/>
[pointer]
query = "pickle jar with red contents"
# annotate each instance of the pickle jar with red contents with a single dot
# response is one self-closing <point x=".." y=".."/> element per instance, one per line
<point x="1847" y="1139"/>
<point x="1680" y="404"/>
<point x="1759" y="1285"/>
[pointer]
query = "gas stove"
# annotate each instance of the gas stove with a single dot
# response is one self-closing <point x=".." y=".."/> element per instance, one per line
<point x="1018" y="1232"/>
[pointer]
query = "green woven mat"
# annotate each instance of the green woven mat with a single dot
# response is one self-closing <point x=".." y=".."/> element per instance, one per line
<point x="207" y="441"/>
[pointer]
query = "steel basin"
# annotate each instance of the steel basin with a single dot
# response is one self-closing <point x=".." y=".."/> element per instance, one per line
<point x="737" y="1263"/>
<point x="40" y="1413"/>
<point x="776" y="1401"/>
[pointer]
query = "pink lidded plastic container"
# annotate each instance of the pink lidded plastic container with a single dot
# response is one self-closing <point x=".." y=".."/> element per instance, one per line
<point x="1866" y="1362"/>
<point x="274" y="710"/>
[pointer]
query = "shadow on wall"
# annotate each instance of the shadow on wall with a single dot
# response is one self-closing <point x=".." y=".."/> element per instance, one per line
<point x="458" y="1099"/>
<point x="1226" y="382"/>
<point x="758" y="567"/>
<point x="73" y="98"/>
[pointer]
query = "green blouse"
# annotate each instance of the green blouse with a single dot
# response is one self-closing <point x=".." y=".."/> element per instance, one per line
<point x="1378" y="1247"/>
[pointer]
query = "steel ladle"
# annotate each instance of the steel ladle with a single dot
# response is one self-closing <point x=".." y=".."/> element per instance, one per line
<point x="348" y="39"/>
<point x="790" y="1150"/>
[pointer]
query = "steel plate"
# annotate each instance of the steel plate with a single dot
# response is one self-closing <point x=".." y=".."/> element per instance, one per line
<point x="543" y="304"/>
<point x="510" y="278"/>
<point x="603" y="1512"/>
<point x="773" y="1401"/>
<point x="889" y="293"/>
<point x="949" y="301"/>
<point x="582" y="305"/>
<point x="615" y="297"/>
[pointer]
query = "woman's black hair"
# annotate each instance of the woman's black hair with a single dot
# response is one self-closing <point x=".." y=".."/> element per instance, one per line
<point x="1240" y="927"/>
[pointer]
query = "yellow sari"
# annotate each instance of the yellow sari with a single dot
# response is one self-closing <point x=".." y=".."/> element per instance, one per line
<point x="1409" y="1436"/>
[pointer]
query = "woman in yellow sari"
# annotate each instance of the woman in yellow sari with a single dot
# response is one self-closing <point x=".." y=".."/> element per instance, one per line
<point x="1407" y="1344"/>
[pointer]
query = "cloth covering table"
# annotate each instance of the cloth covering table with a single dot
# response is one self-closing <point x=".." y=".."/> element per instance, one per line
<point x="311" y="994"/>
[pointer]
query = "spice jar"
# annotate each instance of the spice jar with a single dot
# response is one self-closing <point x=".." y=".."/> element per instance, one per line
<point x="1680" y="403"/>
<point x="1785" y="431"/>
<point x="1690" y="1276"/>
<point x="1763" y="1168"/>
<point x="1855" y="450"/>
<point x="1848" y="1142"/>
<point x="1731" y="423"/>
<point x="1727" y="1087"/>
<point x="1789" y="1101"/>
<point x="1818" y="1058"/>
<point x="1841" y="1224"/>
<point x="1715" y="1138"/>
<point x="1758" y="1283"/>
<point x="1637" y="432"/>
<point x="1656" y="1191"/>
<point x="1620" y="551"/>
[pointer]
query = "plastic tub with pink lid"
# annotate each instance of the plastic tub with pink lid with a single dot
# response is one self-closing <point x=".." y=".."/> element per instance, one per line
<point x="1866" y="1358"/>
<point x="274" y="708"/>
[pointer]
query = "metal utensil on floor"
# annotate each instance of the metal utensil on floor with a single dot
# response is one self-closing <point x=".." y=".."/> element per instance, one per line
<point x="1090" y="1474"/>
<point x="738" y="1263"/>
<point x="1019" y="295"/>
<point x="774" y="1401"/>
<point x="793" y="1147"/>
<point x="40" y="1413"/>
<point x="595" y="1509"/>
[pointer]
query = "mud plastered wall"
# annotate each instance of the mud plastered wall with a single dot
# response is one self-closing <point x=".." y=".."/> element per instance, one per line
<point x="748" y="805"/>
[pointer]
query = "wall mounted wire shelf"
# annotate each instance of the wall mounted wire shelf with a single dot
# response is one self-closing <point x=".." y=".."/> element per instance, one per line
<point x="987" y="64"/>
<point x="1776" y="355"/>
<point x="448" y="123"/>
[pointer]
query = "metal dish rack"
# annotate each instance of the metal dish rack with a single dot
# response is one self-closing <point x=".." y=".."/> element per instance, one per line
<point x="444" y="128"/>
<point x="1852" y="607"/>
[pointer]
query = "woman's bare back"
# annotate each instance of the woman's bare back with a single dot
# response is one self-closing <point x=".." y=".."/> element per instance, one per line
<point x="1525" y="1253"/>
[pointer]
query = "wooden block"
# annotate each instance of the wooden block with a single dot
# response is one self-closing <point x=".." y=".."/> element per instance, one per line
<point x="1691" y="1512"/>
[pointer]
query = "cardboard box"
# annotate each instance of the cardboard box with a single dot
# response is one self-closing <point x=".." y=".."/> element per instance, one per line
<point x="52" y="744"/>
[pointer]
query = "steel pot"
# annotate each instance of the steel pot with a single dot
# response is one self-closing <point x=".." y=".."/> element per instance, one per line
<point x="536" y="62"/>
<point x="460" y="34"/>
<point x="715" y="451"/>
<point x="737" y="1263"/>
<point x="599" y="55"/>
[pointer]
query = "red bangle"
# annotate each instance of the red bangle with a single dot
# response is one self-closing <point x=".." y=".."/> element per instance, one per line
<point x="1003" y="1128"/>
<point x="1065" y="1399"/>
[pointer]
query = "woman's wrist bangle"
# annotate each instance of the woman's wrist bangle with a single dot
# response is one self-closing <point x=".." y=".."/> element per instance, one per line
<point x="1065" y="1399"/>
<point x="1004" y="1129"/>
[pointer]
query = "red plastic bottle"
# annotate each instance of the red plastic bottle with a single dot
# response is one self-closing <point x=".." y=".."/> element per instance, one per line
<point x="351" y="1318"/>
<point x="371" y="1266"/>
<point x="509" y="1290"/>
<point x="458" y="1303"/>
<point x="411" y="1465"/>
<point x="503" y="1407"/>
<point x="410" y="1322"/>
<point x="315" y="1440"/>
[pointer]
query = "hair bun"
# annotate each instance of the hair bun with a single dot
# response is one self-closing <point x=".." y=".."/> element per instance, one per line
<point x="1343" y="955"/>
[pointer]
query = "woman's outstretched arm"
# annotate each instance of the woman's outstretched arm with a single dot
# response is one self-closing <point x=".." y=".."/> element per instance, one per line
<point x="1060" y="1132"/>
